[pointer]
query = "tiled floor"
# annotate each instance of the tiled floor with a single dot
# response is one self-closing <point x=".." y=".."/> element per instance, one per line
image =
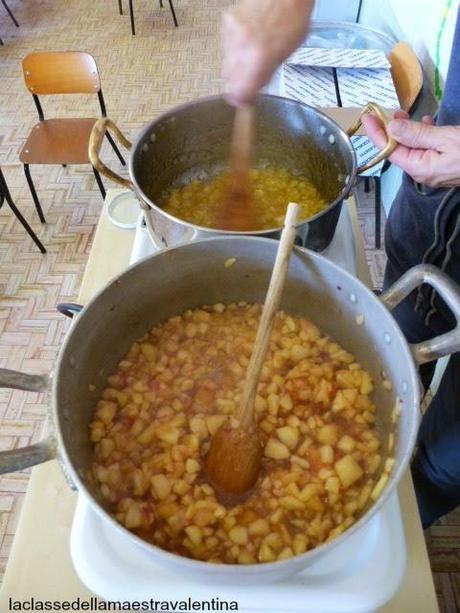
<point x="141" y="77"/>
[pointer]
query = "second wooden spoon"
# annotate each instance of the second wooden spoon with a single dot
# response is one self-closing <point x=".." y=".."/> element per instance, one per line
<point x="236" y="213"/>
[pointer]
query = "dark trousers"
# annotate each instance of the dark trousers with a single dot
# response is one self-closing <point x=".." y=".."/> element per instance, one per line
<point x="436" y="464"/>
<point x="410" y="234"/>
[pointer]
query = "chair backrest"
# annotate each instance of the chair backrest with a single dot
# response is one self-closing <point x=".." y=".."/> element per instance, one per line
<point x="407" y="75"/>
<point x="68" y="72"/>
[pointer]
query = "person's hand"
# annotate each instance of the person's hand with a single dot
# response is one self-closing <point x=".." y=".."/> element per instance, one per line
<point x="429" y="154"/>
<point x="257" y="35"/>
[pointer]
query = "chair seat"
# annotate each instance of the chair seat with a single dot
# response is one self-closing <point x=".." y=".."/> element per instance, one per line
<point x="58" y="141"/>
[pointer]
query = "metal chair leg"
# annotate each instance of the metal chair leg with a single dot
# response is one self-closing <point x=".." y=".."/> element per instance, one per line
<point x="8" y="10"/>
<point x="5" y="192"/>
<point x="378" y="212"/>
<point x="115" y="148"/>
<point x="120" y="7"/>
<point x="34" y="193"/>
<point x="131" y="16"/>
<point x="99" y="182"/>
<point x="173" y="12"/>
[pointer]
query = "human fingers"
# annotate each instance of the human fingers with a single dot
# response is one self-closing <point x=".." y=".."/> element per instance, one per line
<point x="401" y="156"/>
<point x="241" y="60"/>
<point x="416" y="134"/>
<point x="257" y="35"/>
<point x="401" y="115"/>
<point x="437" y="165"/>
<point x="374" y="130"/>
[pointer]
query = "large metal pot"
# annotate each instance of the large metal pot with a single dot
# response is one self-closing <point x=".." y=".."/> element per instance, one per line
<point x="192" y="141"/>
<point x="194" y="274"/>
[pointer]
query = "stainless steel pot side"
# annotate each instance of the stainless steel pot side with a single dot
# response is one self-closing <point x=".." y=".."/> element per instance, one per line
<point x="192" y="142"/>
<point x="194" y="274"/>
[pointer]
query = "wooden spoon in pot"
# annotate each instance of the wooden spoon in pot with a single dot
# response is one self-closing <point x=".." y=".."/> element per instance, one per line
<point x="235" y="454"/>
<point x="236" y="213"/>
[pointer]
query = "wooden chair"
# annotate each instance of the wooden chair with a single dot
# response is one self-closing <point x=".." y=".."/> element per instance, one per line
<point x="408" y="81"/>
<point x="6" y="196"/>
<point x="61" y="141"/>
<point x="131" y="13"/>
<point x="407" y="75"/>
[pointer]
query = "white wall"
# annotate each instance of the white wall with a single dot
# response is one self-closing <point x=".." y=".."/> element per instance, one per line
<point x="419" y="23"/>
<point x="336" y="10"/>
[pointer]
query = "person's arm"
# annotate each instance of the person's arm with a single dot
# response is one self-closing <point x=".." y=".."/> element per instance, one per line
<point x="429" y="154"/>
<point x="257" y="35"/>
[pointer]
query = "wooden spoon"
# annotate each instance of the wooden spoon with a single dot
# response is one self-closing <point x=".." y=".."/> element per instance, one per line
<point x="236" y="213"/>
<point x="234" y="457"/>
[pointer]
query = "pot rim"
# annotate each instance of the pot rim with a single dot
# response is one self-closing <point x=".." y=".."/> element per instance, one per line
<point x="177" y="109"/>
<point x="257" y="569"/>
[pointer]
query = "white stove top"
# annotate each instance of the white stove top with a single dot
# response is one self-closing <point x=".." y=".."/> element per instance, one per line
<point x="359" y="576"/>
<point x="342" y="249"/>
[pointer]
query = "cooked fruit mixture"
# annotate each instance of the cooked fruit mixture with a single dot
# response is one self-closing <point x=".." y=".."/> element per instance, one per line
<point x="272" y="189"/>
<point x="322" y="460"/>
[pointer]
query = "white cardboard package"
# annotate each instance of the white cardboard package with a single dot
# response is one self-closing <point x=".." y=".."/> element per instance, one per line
<point x="341" y="78"/>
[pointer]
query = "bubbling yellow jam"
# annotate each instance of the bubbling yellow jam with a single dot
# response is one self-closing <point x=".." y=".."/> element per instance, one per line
<point x="272" y="189"/>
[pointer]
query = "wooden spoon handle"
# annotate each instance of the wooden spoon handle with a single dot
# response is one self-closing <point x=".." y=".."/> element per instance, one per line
<point x="242" y="139"/>
<point x="245" y="410"/>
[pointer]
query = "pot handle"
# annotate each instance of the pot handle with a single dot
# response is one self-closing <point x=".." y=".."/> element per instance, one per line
<point x="95" y="144"/>
<point x="18" y="459"/>
<point x="373" y="108"/>
<point x="441" y="345"/>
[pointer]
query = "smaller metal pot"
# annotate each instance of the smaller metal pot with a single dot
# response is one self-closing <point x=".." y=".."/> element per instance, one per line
<point x="192" y="141"/>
